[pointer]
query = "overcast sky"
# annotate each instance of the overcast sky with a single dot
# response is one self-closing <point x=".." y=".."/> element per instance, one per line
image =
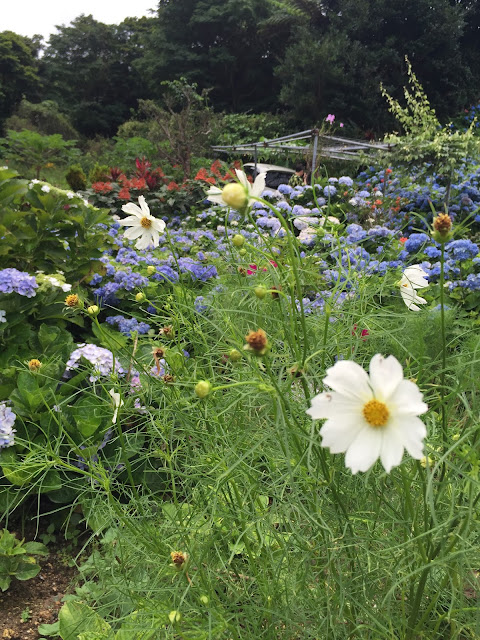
<point x="28" y="17"/>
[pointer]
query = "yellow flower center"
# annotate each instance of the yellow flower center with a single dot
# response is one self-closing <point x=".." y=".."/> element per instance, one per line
<point x="146" y="223"/>
<point x="376" y="413"/>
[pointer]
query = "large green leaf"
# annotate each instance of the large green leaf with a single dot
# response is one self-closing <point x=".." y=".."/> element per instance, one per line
<point x="88" y="413"/>
<point x="76" y="618"/>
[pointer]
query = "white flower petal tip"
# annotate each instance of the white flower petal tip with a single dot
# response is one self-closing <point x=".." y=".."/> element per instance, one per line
<point x="117" y="403"/>
<point x="370" y="417"/>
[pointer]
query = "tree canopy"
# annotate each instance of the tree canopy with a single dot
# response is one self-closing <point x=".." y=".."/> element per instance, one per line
<point x="304" y="57"/>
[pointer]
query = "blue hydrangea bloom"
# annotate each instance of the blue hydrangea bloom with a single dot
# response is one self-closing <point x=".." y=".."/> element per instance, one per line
<point x="14" y="281"/>
<point x="7" y="420"/>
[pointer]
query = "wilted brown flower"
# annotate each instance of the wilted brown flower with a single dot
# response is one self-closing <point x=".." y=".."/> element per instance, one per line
<point x="257" y="342"/>
<point x="442" y="226"/>
<point x="179" y="558"/>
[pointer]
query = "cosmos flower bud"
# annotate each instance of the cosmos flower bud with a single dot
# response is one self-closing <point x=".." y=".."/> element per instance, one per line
<point x="151" y="270"/>
<point x="238" y="240"/>
<point x="235" y="195"/>
<point x="34" y="365"/>
<point x="243" y="252"/>
<point x="174" y="616"/>
<point x="260" y="291"/>
<point x="235" y="355"/>
<point x="140" y="297"/>
<point x="202" y="389"/>
<point x="93" y="310"/>
<point x="442" y="227"/>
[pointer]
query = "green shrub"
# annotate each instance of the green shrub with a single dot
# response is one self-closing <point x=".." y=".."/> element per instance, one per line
<point x="44" y="118"/>
<point x="76" y="178"/>
<point x="99" y="173"/>
<point x="32" y="151"/>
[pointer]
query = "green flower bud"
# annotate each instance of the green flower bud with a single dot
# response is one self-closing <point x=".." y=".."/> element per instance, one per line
<point x="93" y="310"/>
<point x="235" y="355"/>
<point x="203" y="388"/>
<point x="151" y="270"/>
<point x="243" y="252"/>
<point x="238" y="240"/>
<point x="140" y="297"/>
<point x="235" y="195"/>
<point x="204" y="599"/>
<point x="260" y="291"/>
<point x="174" y="616"/>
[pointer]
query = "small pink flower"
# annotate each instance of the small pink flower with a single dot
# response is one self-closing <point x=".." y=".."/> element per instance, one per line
<point x="341" y="124"/>
<point x="252" y="269"/>
<point x="330" y="118"/>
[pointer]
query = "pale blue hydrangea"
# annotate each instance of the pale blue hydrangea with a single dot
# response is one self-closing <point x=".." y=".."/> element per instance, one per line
<point x="7" y="420"/>
<point x="100" y="358"/>
<point x="14" y="281"/>
<point x="329" y="191"/>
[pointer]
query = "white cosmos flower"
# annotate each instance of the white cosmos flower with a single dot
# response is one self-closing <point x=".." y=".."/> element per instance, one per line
<point x="143" y="226"/>
<point x="117" y="403"/>
<point x="370" y="416"/>
<point x="413" y="278"/>
<point x="252" y="192"/>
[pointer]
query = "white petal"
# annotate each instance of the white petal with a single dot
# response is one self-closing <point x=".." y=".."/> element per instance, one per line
<point x="133" y="209"/>
<point x="159" y="225"/>
<point x="134" y="232"/>
<point x="391" y="453"/>
<point x="349" y="379"/>
<point x="144" y="206"/>
<point x="331" y="404"/>
<point x="242" y="178"/>
<point x="339" y="433"/>
<point x="214" y="191"/>
<point x="411" y="431"/>
<point x="143" y="242"/>
<point x="155" y="236"/>
<point x="130" y="221"/>
<point x="259" y="185"/>
<point x="385" y="376"/>
<point x="364" y="450"/>
<point x="410" y="298"/>
<point x="407" y="399"/>
<point x="415" y="276"/>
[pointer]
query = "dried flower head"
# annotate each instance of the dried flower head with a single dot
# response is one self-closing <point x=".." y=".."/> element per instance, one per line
<point x="168" y="332"/>
<point x="168" y="378"/>
<point x="158" y="355"/>
<point x="257" y="342"/>
<point x="179" y="558"/>
<point x="274" y="291"/>
<point x="442" y="226"/>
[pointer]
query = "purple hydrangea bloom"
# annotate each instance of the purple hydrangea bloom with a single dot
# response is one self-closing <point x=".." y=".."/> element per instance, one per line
<point x="7" y="420"/>
<point x="14" y="281"/>
<point x="127" y="326"/>
<point x="100" y="358"/>
<point x="329" y="191"/>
